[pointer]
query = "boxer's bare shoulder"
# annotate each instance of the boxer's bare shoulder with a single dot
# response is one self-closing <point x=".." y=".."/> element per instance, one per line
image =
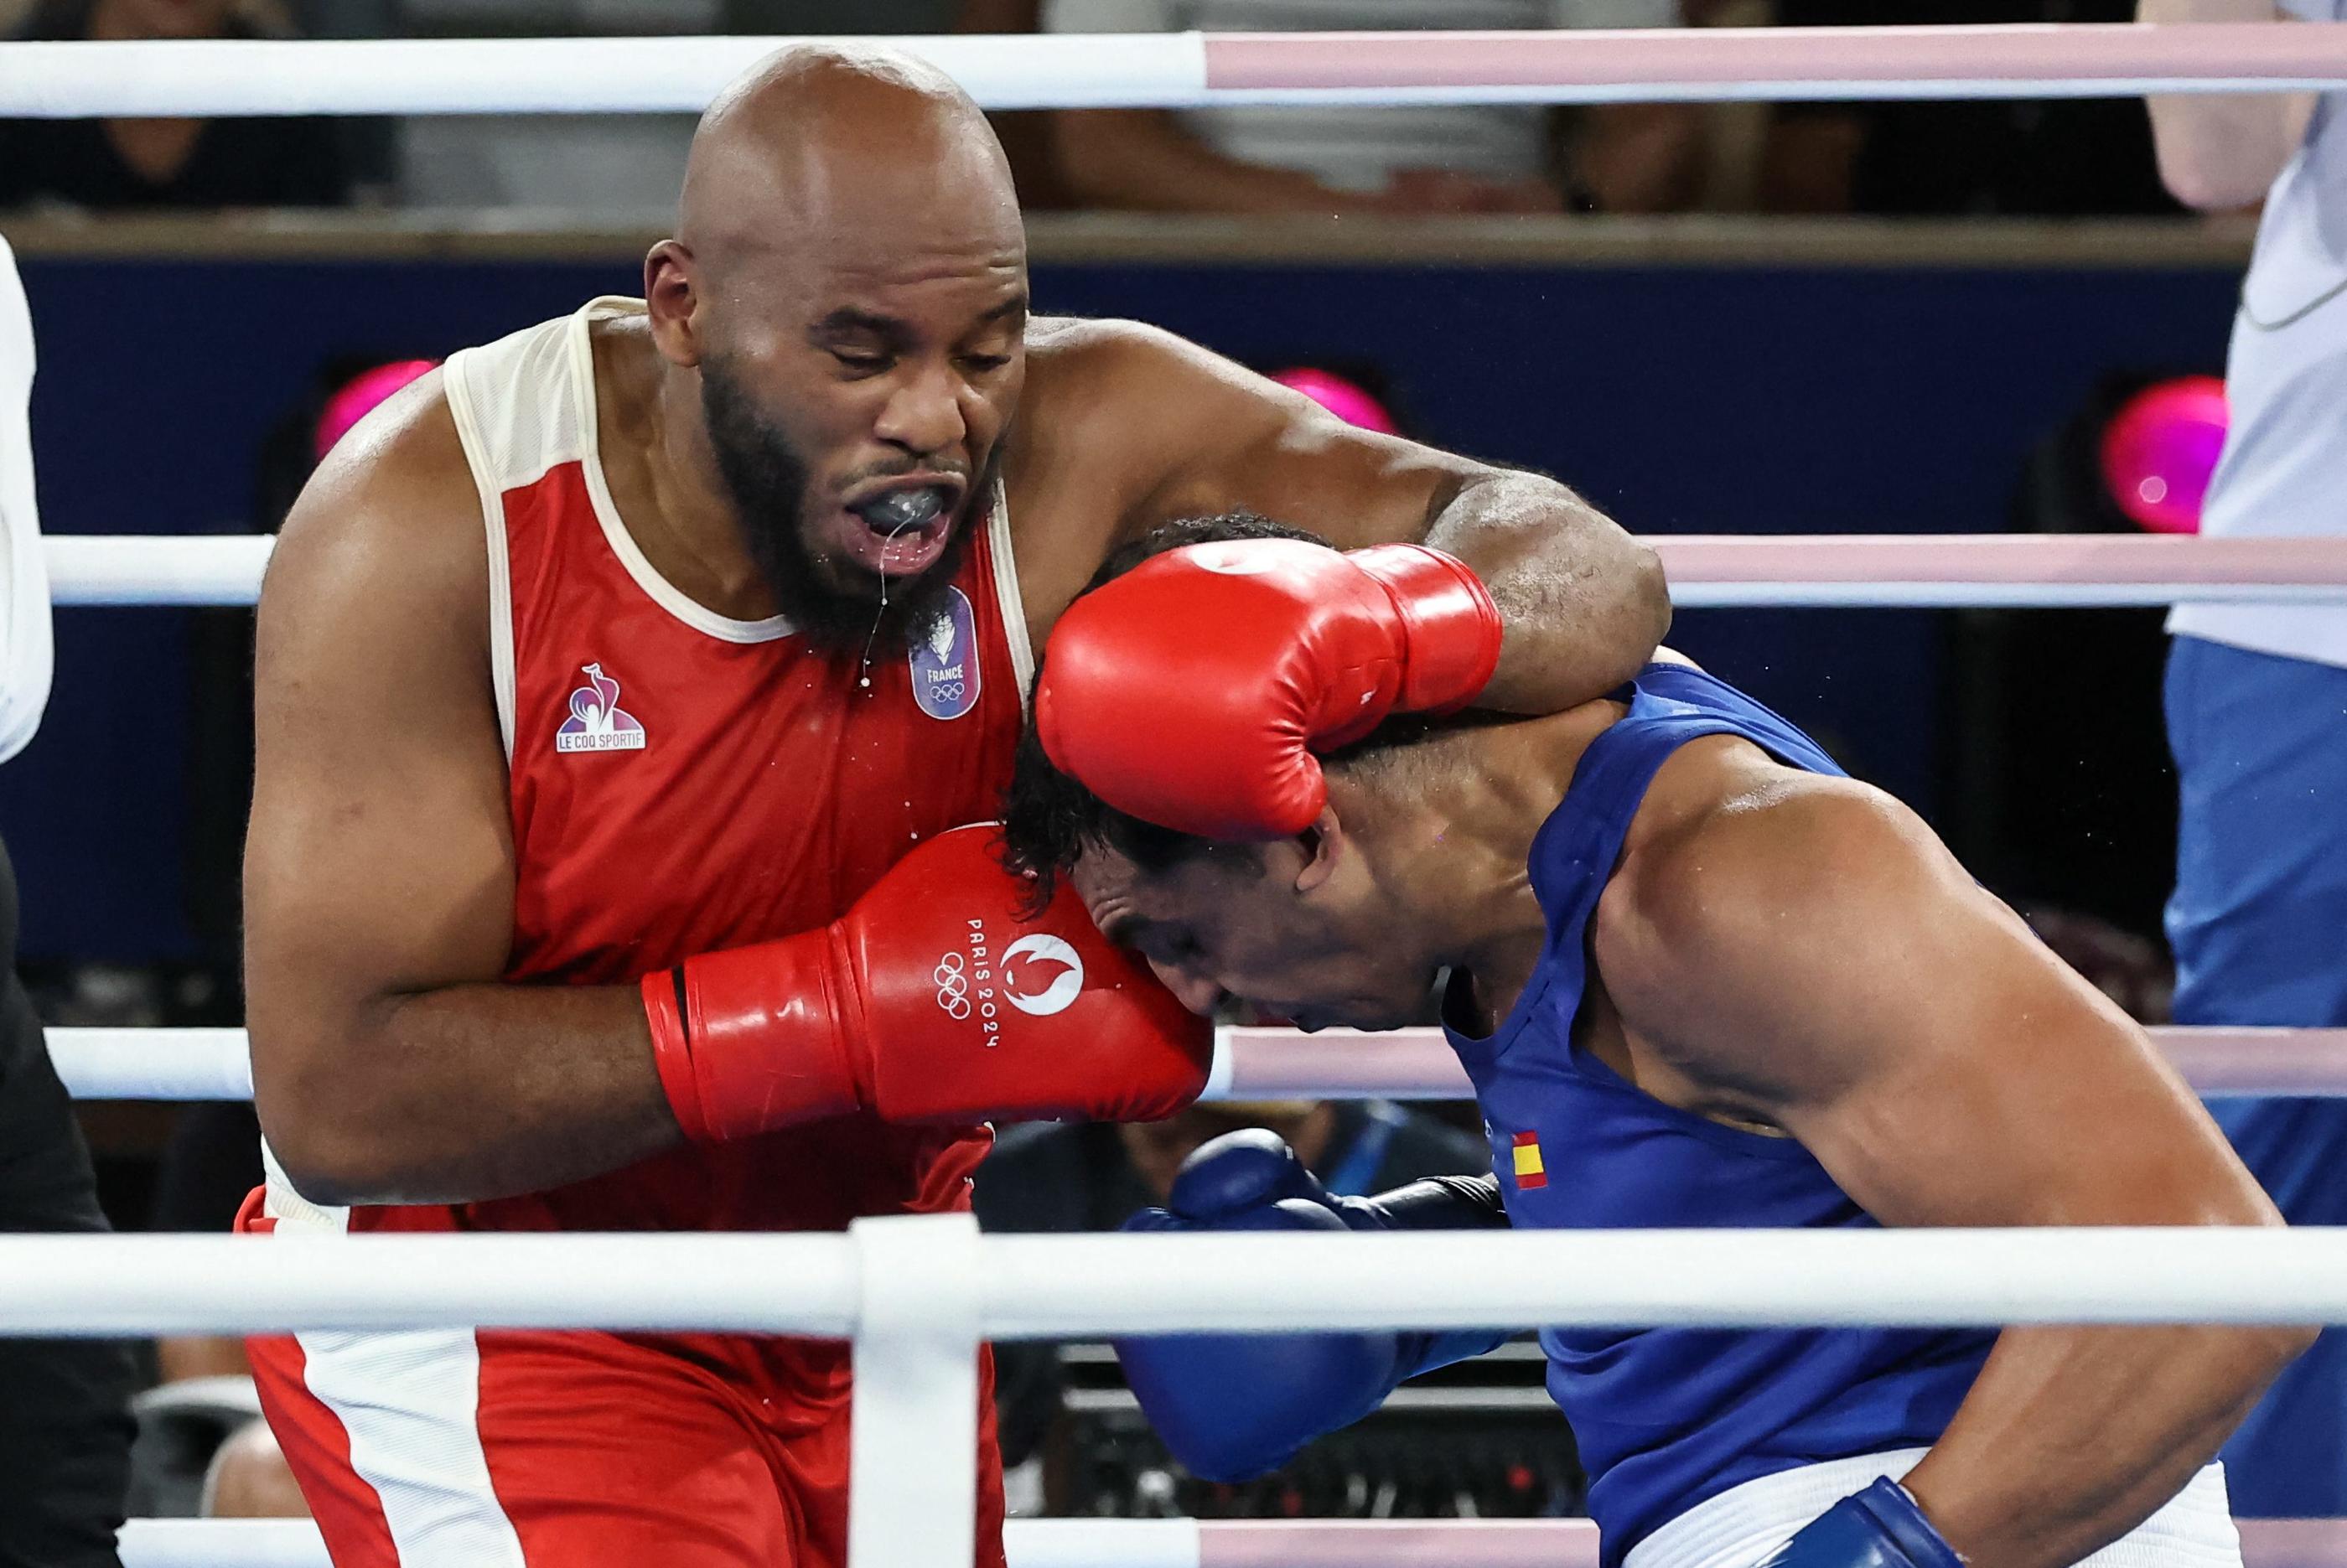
<point x="1744" y="879"/>
<point x="371" y="681"/>
<point x="391" y="520"/>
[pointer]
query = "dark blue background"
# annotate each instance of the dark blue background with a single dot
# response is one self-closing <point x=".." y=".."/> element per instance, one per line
<point x="1682" y="400"/>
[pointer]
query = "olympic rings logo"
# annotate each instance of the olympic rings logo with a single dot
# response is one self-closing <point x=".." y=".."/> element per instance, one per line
<point x="953" y="987"/>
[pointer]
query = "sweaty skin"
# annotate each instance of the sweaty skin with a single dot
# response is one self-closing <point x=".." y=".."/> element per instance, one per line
<point x="1797" y="955"/>
<point x="848" y="251"/>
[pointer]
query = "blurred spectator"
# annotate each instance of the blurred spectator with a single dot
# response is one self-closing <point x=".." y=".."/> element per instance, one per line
<point x="211" y="1162"/>
<point x="2021" y="157"/>
<point x="134" y="163"/>
<point x="2132" y="970"/>
<point x="249" y="1479"/>
<point x="623" y="169"/>
<point x="1092" y="1176"/>
<point x="2256" y="694"/>
<point x="1492" y="158"/>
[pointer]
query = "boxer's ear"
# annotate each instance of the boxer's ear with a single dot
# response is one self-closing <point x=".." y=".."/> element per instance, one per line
<point x="673" y="298"/>
<point x="1323" y="844"/>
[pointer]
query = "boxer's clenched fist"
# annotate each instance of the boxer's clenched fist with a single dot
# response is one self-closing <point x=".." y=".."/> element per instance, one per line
<point x="1262" y="653"/>
<point x="938" y="998"/>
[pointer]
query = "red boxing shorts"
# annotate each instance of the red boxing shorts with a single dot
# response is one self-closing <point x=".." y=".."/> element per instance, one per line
<point x="531" y="1449"/>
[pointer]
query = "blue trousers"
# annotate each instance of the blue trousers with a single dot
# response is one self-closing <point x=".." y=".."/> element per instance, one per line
<point x="2258" y="924"/>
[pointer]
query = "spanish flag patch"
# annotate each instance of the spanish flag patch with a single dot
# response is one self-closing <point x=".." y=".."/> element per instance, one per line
<point x="1530" y="1171"/>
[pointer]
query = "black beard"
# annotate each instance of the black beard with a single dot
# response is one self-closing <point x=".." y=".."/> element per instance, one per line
<point x="767" y="479"/>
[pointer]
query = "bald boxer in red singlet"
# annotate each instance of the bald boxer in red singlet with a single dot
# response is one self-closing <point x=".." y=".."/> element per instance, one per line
<point x="619" y="685"/>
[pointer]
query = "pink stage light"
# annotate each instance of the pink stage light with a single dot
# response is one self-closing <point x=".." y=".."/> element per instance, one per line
<point x="2161" y="448"/>
<point x="356" y="397"/>
<point x="1347" y="401"/>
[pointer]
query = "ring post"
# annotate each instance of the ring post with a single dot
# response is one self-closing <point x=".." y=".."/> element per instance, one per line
<point x="912" y="1464"/>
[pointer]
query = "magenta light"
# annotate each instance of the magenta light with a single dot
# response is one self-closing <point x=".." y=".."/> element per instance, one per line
<point x="2161" y="448"/>
<point x="356" y="397"/>
<point x="1340" y="397"/>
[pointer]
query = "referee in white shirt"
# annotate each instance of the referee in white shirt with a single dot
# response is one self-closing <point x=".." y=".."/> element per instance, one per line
<point x="65" y="1414"/>
<point x="2257" y="697"/>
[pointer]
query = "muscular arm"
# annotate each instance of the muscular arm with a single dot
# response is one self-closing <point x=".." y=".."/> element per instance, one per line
<point x="1583" y="603"/>
<point x="2220" y="151"/>
<point x="1814" y="958"/>
<point x="389" y="1065"/>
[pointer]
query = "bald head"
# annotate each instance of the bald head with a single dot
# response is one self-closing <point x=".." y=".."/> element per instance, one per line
<point x="845" y="146"/>
<point x="845" y="304"/>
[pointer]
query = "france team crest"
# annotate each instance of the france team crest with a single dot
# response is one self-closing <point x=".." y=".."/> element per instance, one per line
<point x="945" y="660"/>
<point x="597" y="722"/>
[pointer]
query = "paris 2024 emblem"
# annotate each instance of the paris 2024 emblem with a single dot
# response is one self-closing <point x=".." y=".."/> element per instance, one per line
<point x="1038" y="974"/>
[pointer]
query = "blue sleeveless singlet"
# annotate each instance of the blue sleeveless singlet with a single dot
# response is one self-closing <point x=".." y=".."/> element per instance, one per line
<point x="1666" y="1417"/>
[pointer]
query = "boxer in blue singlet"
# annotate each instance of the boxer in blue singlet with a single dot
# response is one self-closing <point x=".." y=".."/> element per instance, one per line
<point x="1698" y="977"/>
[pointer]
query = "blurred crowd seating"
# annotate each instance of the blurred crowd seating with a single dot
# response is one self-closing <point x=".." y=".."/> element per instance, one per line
<point x="2060" y="159"/>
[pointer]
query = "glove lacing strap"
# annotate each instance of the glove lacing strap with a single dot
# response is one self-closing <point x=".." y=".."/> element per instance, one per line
<point x="665" y="1012"/>
<point x="1451" y="628"/>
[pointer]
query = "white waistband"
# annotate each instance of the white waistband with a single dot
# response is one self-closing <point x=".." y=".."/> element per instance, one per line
<point x="1745" y="1524"/>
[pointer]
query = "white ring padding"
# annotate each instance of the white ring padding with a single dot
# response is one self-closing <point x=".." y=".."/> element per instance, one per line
<point x="2220" y="1063"/>
<point x="155" y="568"/>
<point x="2042" y="570"/>
<point x="1089" y="1286"/>
<point x="554" y="75"/>
<point x="1026" y="1543"/>
<point x="301" y="1280"/>
<point x="1178" y="1544"/>
<point x="1085" y="1287"/>
<point x="523" y="75"/>
<point x="187" y="1064"/>
<point x="153" y="1063"/>
<point x="1716" y="65"/>
<point x="912" y="1488"/>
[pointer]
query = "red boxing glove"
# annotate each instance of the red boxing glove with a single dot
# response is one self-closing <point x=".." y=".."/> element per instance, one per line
<point x="1194" y="691"/>
<point x="934" y="1000"/>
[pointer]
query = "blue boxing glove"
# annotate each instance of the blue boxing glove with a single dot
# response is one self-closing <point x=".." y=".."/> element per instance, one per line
<point x="1231" y="1406"/>
<point x="1881" y="1527"/>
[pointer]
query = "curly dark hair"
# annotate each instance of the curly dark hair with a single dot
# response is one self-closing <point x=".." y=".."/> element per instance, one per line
<point x="1049" y="819"/>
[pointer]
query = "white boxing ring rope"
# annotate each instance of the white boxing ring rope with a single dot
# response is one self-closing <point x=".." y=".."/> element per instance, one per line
<point x="1175" y="70"/>
<point x="1249" y="1064"/>
<point x="1175" y="1543"/>
<point x="1707" y="571"/>
<point x="923" y="1290"/>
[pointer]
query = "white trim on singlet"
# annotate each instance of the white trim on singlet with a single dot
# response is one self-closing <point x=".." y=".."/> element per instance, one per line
<point x="1008" y="600"/>
<point x="288" y="1208"/>
<point x="524" y="405"/>
<point x="456" y="382"/>
<point x="663" y="592"/>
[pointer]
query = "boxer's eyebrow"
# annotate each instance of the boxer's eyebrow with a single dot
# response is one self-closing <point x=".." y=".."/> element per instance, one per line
<point x="849" y="319"/>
